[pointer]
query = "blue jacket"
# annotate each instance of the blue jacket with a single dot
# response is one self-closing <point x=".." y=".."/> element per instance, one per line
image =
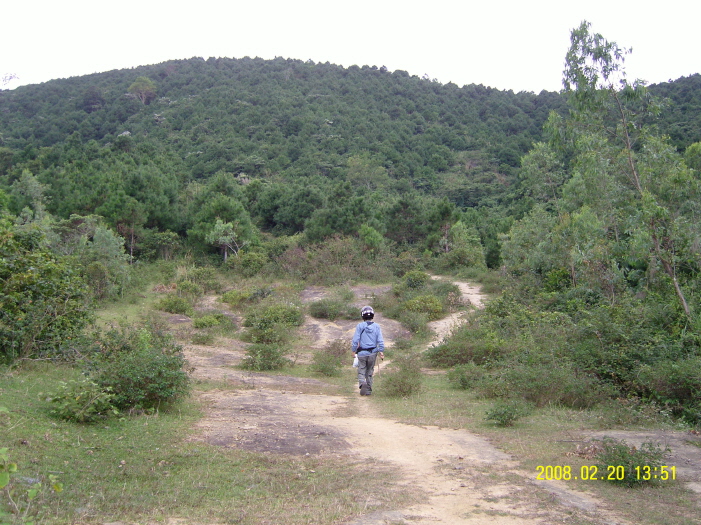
<point x="370" y="337"/>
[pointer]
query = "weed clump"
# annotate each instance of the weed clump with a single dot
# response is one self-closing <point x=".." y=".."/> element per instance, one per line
<point x="332" y="309"/>
<point x="505" y="413"/>
<point x="81" y="401"/>
<point x="329" y="360"/>
<point x="465" y="376"/>
<point x="263" y="357"/>
<point x="627" y="465"/>
<point x="175" y="305"/>
<point x="404" y="379"/>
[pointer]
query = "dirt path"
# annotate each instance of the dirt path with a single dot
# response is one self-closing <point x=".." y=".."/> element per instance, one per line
<point x="466" y="480"/>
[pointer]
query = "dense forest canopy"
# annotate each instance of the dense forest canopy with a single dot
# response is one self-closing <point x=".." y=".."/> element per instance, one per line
<point x="144" y="147"/>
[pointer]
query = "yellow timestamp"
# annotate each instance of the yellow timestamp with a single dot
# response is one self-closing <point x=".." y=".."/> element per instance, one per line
<point x="609" y="473"/>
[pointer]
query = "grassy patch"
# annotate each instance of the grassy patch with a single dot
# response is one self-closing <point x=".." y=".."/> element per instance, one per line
<point x="144" y="468"/>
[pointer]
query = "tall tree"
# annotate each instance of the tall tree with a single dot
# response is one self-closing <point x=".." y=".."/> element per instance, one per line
<point x="144" y="89"/>
<point x="633" y="177"/>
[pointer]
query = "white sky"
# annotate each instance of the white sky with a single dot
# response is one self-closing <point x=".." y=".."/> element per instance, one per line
<point x="517" y="45"/>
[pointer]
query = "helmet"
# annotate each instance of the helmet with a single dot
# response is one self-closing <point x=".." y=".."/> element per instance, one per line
<point x="367" y="312"/>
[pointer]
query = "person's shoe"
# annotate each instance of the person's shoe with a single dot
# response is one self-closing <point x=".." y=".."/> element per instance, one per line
<point x="365" y="390"/>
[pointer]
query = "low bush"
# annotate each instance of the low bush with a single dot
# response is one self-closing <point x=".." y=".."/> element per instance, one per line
<point x="174" y="305"/>
<point x="632" y="411"/>
<point x="207" y="321"/>
<point x="189" y="290"/>
<point x="506" y="413"/>
<point x="280" y="313"/>
<point x="546" y="382"/>
<point x="676" y="383"/>
<point x="627" y="465"/>
<point x="416" y="279"/>
<point x="329" y="360"/>
<point x="415" y="322"/>
<point x="142" y="367"/>
<point x="465" y="376"/>
<point x="206" y="278"/>
<point x="332" y="309"/>
<point x="426" y="304"/>
<point x="469" y="343"/>
<point x="249" y="263"/>
<point x="81" y="401"/>
<point x="404" y="378"/>
<point x="261" y="357"/>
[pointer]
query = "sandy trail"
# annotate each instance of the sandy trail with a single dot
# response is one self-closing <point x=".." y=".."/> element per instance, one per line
<point x="466" y="480"/>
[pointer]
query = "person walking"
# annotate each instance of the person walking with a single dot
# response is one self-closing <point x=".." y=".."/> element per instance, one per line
<point x="367" y="343"/>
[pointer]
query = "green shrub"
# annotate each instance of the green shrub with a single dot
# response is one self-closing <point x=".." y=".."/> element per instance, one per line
<point x="248" y="264"/>
<point x="469" y="343"/>
<point x="465" y="376"/>
<point x="43" y="299"/>
<point x="329" y="360"/>
<point x="416" y="279"/>
<point x="281" y="313"/>
<point x="143" y="368"/>
<point x="332" y="309"/>
<point x="236" y="298"/>
<point x="175" y="305"/>
<point x="207" y="321"/>
<point x="674" y="382"/>
<point x="189" y="290"/>
<point x="415" y="322"/>
<point x="404" y="378"/>
<point x="206" y="278"/>
<point x="506" y="413"/>
<point x="426" y="304"/>
<point x="261" y="357"/>
<point x="81" y="401"/>
<point x="547" y="382"/>
<point x="628" y="465"/>
<point x="404" y="263"/>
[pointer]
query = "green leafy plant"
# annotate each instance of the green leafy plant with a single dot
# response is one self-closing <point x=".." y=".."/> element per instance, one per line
<point x="416" y="279"/>
<point x="332" y="309"/>
<point x="248" y="263"/>
<point x="426" y="304"/>
<point x="175" y="305"/>
<point x="207" y="321"/>
<point x="628" y="465"/>
<point x="271" y="324"/>
<point x="506" y="413"/>
<point x="280" y="313"/>
<point x="465" y="376"/>
<point x="189" y="290"/>
<point x="142" y="367"/>
<point x="404" y="378"/>
<point x="206" y="278"/>
<point x="329" y="360"/>
<point x="81" y="401"/>
<point x="24" y="497"/>
<point x="43" y="299"/>
<point x="261" y="357"/>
